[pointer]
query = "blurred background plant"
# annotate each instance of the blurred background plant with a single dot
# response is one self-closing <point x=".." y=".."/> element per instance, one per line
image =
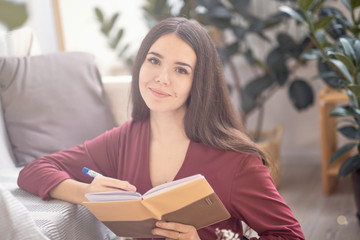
<point x="336" y="46"/>
<point x="335" y="34"/>
<point x="233" y="26"/>
<point x="13" y="14"/>
<point x="109" y="27"/>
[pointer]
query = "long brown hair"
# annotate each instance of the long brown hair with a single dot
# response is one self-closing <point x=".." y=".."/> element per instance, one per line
<point x="210" y="118"/>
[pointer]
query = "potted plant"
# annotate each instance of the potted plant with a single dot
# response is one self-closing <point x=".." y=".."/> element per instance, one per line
<point x="232" y="19"/>
<point x="336" y="39"/>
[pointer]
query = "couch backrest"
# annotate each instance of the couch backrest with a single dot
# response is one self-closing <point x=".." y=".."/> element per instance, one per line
<point x="17" y="43"/>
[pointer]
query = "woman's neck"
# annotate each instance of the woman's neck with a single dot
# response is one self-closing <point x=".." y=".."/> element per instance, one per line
<point x="167" y="127"/>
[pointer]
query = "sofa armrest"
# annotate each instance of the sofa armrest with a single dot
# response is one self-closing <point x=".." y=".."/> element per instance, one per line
<point x="117" y="90"/>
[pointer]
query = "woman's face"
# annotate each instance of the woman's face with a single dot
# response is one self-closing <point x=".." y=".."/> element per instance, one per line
<point x="166" y="75"/>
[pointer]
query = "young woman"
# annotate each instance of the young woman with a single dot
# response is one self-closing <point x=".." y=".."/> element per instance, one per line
<point x="183" y="124"/>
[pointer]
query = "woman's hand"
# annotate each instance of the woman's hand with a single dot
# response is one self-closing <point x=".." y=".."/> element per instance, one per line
<point x="177" y="231"/>
<point x="106" y="184"/>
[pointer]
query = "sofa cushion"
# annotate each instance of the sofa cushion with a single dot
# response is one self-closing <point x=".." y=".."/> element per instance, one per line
<point x="52" y="102"/>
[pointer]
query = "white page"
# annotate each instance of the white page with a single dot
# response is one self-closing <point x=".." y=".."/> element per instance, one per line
<point x="126" y="195"/>
<point x="170" y="185"/>
<point x="112" y="196"/>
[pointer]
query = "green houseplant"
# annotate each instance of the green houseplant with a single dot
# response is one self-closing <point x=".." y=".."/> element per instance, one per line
<point x="233" y="18"/>
<point x="12" y="14"/>
<point x="114" y="34"/>
<point x="336" y="45"/>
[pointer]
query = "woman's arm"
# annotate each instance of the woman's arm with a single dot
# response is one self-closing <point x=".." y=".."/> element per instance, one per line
<point x="74" y="191"/>
<point x="59" y="175"/>
<point x="256" y="200"/>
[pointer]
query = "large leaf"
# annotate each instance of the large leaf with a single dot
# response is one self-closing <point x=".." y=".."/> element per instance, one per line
<point x="323" y="22"/>
<point x="276" y="62"/>
<point x="240" y="5"/>
<point x="341" y="112"/>
<point x="353" y="100"/>
<point x="108" y="25"/>
<point x="355" y="89"/>
<point x="354" y="3"/>
<point x="286" y="42"/>
<point x="350" y="132"/>
<point x="357" y="52"/>
<point x="311" y="54"/>
<point x="228" y="51"/>
<point x="350" y="165"/>
<point x="342" y="68"/>
<point x="341" y="152"/>
<point x="258" y="85"/>
<point x="337" y="27"/>
<point x="248" y="102"/>
<point x="99" y="15"/>
<point x="329" y="76"/>
<point x="346" y="61"/>
<point x="239" y="31"/>
<point x="301" y="94"/>
<point x="349" y="51"/>
<point x="275" y="19"/>
<point x="305" y="5"/>
<point x="12" y="14"/>
<point x="116" y="40"/>
<point x="293" y="13"/>
<point x="220" y="16"/>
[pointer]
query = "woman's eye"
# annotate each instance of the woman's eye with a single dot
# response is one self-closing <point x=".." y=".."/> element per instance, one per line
<point x="182" y="70"/>
<point x="153" y="60"/>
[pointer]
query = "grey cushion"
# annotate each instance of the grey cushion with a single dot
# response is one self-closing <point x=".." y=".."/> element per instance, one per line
<point x="52" y="102"/>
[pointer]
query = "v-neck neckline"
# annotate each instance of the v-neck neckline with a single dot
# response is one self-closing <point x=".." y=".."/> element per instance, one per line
<point x="177" y="175"/>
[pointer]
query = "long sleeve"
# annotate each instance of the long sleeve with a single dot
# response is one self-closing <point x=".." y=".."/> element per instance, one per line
<point x="256" y="200"/>
<point x="99" y="154"/>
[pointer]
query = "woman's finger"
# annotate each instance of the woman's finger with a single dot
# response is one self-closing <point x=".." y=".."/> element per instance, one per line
<point x="103" y="184"/>
<point x="118" y="184"/>
<point x="173" y="230"/>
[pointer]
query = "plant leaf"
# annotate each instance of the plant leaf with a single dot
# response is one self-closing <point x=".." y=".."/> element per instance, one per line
<point x="341" y="112"/>
<point x="342" y="68"/>
<point x="240" y="5"/>
<point x="305" y="5"/>
<point x="350" y="165"/>
<point x="99" y="15"/>
<point x="348" y="49"/>
<point x="350" y="132"/>
<point x="341" y="152"/>
<point x="357" y="51"/>
<point x="328" y="74"/>
<point x="346" y="61"/>
<point x="258" y="85"/>
<point x="293" y="14"/>
<point x="354" y="4"/>
<point x="323" y="22"/>
<point x="301" y="94"/>
<point x="115" y="42"/>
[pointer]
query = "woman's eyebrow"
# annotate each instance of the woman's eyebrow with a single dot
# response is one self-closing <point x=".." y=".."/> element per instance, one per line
<point x="179" y="63"/>
<point x="156" y="54"/>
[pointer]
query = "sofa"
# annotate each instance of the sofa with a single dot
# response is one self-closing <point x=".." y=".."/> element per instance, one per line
<point x="22" y="214"/>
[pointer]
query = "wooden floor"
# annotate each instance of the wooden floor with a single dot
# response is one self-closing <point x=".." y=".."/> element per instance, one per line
<point x="318" y="214"/>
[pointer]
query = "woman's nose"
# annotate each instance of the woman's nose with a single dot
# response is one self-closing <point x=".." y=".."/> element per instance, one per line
<point x="163" y="77"/>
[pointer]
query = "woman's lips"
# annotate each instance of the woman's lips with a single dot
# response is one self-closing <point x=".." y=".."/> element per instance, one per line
<point x="159" y="93"/>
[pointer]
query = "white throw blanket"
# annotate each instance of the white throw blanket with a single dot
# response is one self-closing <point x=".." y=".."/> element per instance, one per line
<point x="25" y="216"/>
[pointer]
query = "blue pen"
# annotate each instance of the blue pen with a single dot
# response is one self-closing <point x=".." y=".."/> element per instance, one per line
<point x="90" y="173"/>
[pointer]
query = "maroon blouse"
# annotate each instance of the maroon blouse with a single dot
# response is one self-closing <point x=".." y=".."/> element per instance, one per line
<point x="240" y="180"/>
